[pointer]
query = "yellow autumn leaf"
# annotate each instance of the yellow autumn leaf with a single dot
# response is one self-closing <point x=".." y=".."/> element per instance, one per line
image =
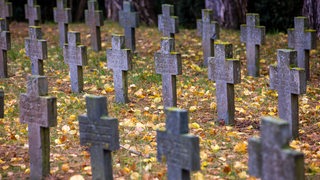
<point x="198" y="176"/>
<point x="240" y="147"/>
<point x="215" y="148"/>
<point x="135" y="176"/>
<point x="157" y="100"/>
<point x="192" y="108"/>
<point x="195" y="125"/>
<point x="65" y="167"/>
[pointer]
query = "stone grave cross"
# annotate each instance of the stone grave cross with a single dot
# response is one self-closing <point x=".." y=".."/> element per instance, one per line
<point x="32" y="12"/>
<point x="129" y="20"/>
<point x="253" y="35"/>
<point x="270" y="156"/>
<point x="179" y="149"/>
<point x="119" y="60"/>
<point x="5" y="45"/>
<point x="168" y="24"/>
<point x="101" y="134"/>
<point x="1" y="103"/>
<point x="5" y="13"/>
<point x="168" y="64"/>
<point x="39" y="111"/>
<point x="210" y="32"/>
<point x="36" y="49"/>
<point x="225" y="71"/>
<point x="94" y="20"/>
<point x="289" y="82"/>
<point x="302" y="40"/>
<point x="62" y="16"/>
<point x="75" y="55"/>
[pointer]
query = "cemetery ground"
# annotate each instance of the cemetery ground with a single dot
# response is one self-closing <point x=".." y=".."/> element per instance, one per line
<point x="223" y="148"/>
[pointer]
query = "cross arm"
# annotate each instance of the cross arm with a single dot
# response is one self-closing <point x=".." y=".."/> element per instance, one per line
<point x="36" y="48"/>
<point x="168" y="63"/>
<point x="274" y="80"/>
<point x="311" y="39"/>
<point x="119" y="59"/>
<point x="64" y="16"/>
<point x="38" y="110"/>
<point x="199" y="27"/>
<point x="5" y="40"/>
<point x="99" y="18"/>
<point x="298" y="81"/>
<point x="102" y="132"/>
<point x="180" y="150"/>
<point x="255" y="157"/>
<point x="259" y="34"/>
<point x="291" y="38"/>
<point x="229" y="72"/>
<point x="243" y="33"/>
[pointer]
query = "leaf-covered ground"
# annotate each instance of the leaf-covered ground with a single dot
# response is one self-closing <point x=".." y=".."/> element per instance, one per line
<point x="223" y="148"/>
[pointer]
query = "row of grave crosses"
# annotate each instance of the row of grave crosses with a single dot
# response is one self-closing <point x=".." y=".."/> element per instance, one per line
<point x="268" y="156"/>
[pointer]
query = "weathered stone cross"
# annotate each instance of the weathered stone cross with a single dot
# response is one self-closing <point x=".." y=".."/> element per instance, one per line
<point x="119" y="60"/>
<point x="179" y="149"/>
<point x="253" y="35"/>
<point x="168" y="64"/>
<point x="1" y="103"/>
<point x="168" y="24"/>
<point x="289" y="82"/>
<point x="101" y="134"/>
<point x="302" y="40"/>
<point x="62" y="16"/>
<point x="5" y="45"/>
<point x="129" y="20"/>
<point x="270" y="156"/>
<point x="36" y="49"/>
<point x="225" y="71"/>
<point x="39" y="111"/>
<point x="209" y="32"/>
<point x="5" y="13"/>
<point x="32" y="12"/>
<point x="94" y="20"/>
<point x="75" y="55"/>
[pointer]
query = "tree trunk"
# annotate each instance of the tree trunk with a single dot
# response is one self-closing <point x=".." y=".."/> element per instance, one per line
<point x="144" y="7"/>
<point x="229" y="13"/>
<point x="311" y="9"/>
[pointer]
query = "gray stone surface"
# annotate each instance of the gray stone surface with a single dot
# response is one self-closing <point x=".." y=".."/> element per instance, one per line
<point x="168" y="64"/>
<point x="94" y="19"/>
<point x="5" y="13"/>
<point x="1" y="103"/>
<point x="36" y="49"/>
<point x="119" y="60"/>
<point x="289" y="82"/>
<point x="167" y="22"/>
<point x="209" y="32"/>
<point x="62" y="16"/>
<point x="101" y="134"/>
<point x="39" y="111"/>
<point x="75" y="55"/>
<point x="302" y="40"/>
<point x="253" y="35"/>
<point x="129" y="20"/>
<point x="179" y="149"/>
<point x="32" y="12"/>
<point x="270" y="156"/>
<point x="5" y="45"/>
<point x="225" y="71"/>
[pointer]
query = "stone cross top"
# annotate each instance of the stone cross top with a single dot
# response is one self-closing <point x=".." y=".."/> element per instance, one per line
<point x="129" y="20"/>
<point x="253" y="35"/>
<point x="168" y="64"/>
<point x="225" y="71"/>
<point x="5" y="13"/>
<point x="289" y="82"/>
<point x="36" y="49"/>
<point x="180" y="149"/>
<point x="119" y="60"/>
<point x="167" y="23"/>
<point x="270" y="156"/>
<point x="101" y="134"/>
<point x="5" y="45"/>
<point x="209" y="32"/>
<point x="32" y="12"/>
<point x="39" y="111"/>
<point x="62" y="16"/>
<point x="302" y="40"/>
<point x="75" y="55"/>
<point x="94" y="20"/>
